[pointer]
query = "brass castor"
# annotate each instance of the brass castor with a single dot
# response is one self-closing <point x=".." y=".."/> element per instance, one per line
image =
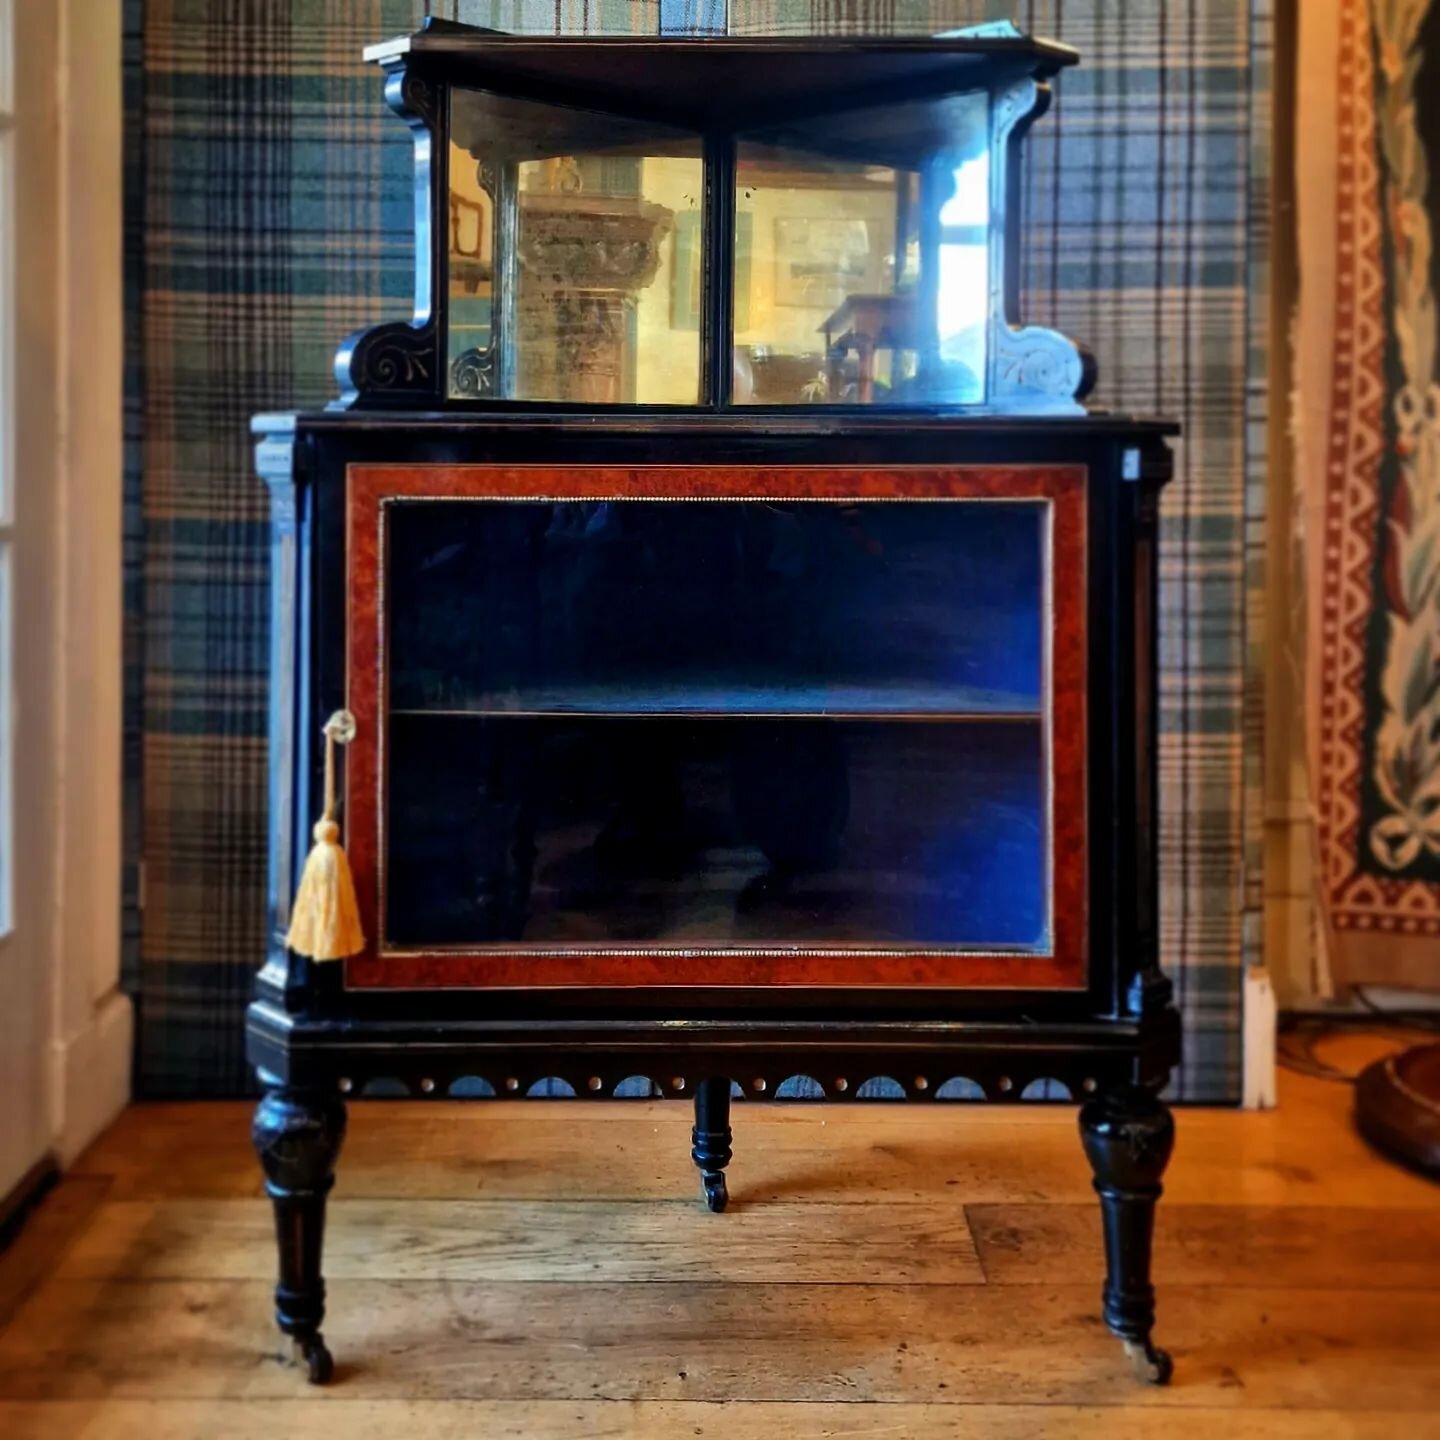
<point x="1150" y="1364"/>
<point x="717" y="1196"/>
<point x="319" y="1363"/>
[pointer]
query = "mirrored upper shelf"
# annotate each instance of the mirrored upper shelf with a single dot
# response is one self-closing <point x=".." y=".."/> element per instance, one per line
<point x="717" y="224"/>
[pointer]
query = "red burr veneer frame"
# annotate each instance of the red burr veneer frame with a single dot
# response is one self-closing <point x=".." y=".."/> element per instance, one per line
<point x="519" y="967"/>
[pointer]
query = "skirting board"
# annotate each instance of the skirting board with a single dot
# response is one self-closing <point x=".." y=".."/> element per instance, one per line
<point x="90" y="1076"/>
<point x="1259" y="1041"/>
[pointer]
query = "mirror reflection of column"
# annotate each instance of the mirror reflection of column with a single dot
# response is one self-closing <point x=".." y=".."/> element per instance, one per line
<point x="503" y="319"/>
<point x="586" y="295"/>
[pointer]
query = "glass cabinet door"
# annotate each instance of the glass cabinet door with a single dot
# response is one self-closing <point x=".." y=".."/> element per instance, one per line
<point x="772" y="725"/>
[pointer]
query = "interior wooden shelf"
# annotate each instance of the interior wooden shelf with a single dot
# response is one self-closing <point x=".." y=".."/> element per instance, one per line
<point x="741" y="699"/>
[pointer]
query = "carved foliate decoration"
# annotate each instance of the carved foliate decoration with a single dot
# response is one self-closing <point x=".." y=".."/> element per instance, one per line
<point x="412" y="98"/>
<point x="1035" y="368"/>
<point x="396" y="363"/>
<point x="473" y="374"/>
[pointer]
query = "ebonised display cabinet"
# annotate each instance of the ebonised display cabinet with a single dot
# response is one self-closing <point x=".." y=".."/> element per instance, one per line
<point x="746" y="632"/>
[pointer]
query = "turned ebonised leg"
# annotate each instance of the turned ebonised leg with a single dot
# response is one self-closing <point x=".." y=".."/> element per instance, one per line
<point x="710" y="1140"/>
<point x="297" y="1135"/>
<point x="1128" y="1135"/>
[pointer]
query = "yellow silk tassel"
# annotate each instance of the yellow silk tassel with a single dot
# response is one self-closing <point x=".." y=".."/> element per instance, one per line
<point x="325" y="919"/>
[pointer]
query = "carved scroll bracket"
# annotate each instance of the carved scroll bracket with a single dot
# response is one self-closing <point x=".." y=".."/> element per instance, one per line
<point x="394" y="364"/>
<point x="1033" y="370"/>
<point x="399" y="364"/>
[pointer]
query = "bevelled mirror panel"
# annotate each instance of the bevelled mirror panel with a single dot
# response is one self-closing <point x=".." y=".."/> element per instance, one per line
<point x="863" y="257"/>
<point x="573" y="255"/>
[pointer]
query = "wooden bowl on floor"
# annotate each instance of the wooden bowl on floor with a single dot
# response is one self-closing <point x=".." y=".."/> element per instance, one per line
<point x="1397" y="1107"/>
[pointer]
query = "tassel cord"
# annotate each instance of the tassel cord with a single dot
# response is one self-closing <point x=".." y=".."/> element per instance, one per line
<point x="325" y="917"/>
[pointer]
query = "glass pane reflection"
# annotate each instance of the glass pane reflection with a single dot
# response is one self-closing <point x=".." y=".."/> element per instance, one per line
<point x="730" y="607"/>
<point x="573" y="255"/>
<point x="664" y="830"/>
<point x="641" y="722"/>
<point x="867" y="270"/>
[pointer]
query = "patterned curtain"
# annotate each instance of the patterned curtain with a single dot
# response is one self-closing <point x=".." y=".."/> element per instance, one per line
<point x="267" y="216"/>
<point x="1368" y="432"/>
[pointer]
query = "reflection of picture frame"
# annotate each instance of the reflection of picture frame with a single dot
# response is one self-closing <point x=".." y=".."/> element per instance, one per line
<point x="820" y="261"/>
<point x="685" y="284"/>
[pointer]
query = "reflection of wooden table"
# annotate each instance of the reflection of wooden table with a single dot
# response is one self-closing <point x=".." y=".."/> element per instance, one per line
<point x="468" y="266"/>
<point x="865" y="324"/>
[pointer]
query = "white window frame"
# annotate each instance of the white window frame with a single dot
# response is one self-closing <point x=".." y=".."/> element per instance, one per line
<point x="65" y="1028"/>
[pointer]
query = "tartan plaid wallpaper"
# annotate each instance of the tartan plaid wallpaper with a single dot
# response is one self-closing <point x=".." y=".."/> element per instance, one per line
<point x="267" y="216"/>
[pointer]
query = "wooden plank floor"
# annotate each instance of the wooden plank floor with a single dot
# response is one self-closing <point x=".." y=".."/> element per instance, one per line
<point x="544" y="1270"/>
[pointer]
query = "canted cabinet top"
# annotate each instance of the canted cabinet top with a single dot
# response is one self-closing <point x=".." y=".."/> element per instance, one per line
<point x="707" y="80"/>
